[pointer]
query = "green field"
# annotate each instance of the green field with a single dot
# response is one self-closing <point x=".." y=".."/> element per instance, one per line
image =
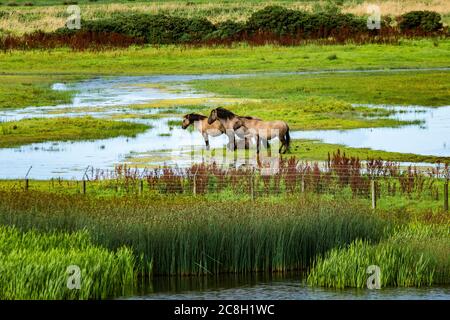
<point x="237" y="59"/>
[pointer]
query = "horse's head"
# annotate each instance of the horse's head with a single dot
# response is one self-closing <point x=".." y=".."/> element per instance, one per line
<point x="186" y="121"/>
<point x="212" y="116"/>
<point x="220" y="113"/>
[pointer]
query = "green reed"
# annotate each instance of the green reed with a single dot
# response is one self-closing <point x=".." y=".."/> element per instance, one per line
<point x="33" y="265"/>
<point x="192" y="235"/>
<point x="415" y="255"/>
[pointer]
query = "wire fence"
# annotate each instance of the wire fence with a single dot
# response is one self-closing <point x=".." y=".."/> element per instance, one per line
<point x="339" y="176"/>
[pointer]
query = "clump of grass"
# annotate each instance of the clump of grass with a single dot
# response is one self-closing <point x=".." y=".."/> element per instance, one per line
<point x="408" y="258"/>
<point x="332" y="57"/>
<point x="34" y="266"/>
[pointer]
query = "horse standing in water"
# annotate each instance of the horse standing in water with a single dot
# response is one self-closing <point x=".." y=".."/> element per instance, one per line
<point x="247" y="127"/>
<point x="201" y="123"/>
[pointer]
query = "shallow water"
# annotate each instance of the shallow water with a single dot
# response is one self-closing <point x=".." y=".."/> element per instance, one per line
<point x="272" y="287"/>
<point x="111" y="96"/>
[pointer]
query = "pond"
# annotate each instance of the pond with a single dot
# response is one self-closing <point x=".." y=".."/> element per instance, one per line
<point x="166" y="143"/>
<point x="271" y="287"/>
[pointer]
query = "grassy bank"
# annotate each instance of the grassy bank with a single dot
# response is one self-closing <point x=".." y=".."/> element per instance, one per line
<point x="16" y="133"/>
<point x="34" y="266"/>
<point x="237" y="59"/>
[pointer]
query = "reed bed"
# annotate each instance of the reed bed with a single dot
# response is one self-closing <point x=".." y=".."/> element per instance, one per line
<point x="33" y="265"/>
<point x="415" y="255"/>
<point x="185" y="235"/>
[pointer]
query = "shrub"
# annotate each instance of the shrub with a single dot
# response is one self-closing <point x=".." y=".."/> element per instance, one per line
<point x="426" y="21"/>
<point x="228" y="30"/>
<point x="282" y="21"/>
<point x="277" y="20"/>
<point x="160" y="29"/>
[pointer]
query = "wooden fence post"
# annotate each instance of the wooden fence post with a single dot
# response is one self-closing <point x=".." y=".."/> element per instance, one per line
<point x="302" y="184"/>
<point x="27" y="184"/>
<point x="446" y="195"/>
<point x="373" y="188"/>
<point x="252" y="186"/>
<point x="141" y="187"/>
<point x="84" y="186"/>
<point x="194" y="186"/>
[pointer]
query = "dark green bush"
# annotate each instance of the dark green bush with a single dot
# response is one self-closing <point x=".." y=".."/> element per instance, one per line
<point x="427" y="21"/>
<point x="228" y="30"/>
<point x="282" y="21"/>
<point x="161" y="29"/>
<point x="274" y="22"/>
<point x="277" y="20"/>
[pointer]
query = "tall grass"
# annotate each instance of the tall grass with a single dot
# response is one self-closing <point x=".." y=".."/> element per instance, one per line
<point x="416" y="255"/>
<point x="33" y="265"/>
<point x="183" y="235"/>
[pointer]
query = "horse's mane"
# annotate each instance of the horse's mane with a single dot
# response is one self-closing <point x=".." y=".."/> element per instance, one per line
<point x="224" y="113"/>
<point x="195" y="117"/>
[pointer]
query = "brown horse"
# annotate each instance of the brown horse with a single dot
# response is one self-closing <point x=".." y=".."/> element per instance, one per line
<point x="201" y="123"/>
<point x="247" y="127"/>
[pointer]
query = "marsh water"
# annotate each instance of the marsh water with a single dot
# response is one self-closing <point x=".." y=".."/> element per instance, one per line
<point x="271" y="287"/>
<point x="166" y="143"/>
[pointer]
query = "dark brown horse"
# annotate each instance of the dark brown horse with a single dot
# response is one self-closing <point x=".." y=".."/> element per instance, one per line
<point x="248" y="127"/>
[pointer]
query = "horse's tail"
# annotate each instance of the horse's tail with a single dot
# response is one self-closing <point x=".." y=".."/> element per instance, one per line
<point x="288" y="139"/>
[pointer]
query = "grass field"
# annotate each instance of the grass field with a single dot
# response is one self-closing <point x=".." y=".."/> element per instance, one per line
<point x="16" y="133"/>
<point x="392" y="88"/>
<point x="237" y="59"/>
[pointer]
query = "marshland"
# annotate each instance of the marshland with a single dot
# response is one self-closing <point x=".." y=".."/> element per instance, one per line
<point x="96" y="170"/>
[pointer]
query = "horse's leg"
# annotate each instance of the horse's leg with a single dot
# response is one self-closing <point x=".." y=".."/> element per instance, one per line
<point x="283" y="143"/>
<point x="269" y="148"/>
<point x="205" y="136"/>
<point x="257" y="144"/>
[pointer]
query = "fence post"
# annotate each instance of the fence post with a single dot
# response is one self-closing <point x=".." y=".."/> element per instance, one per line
<point x="252" y="186"/>
<point x="27" y="181"/>
<point x="373" y="188"/>
<point x="446" y="195"/>
<point x="84" y="186"/>
<point x="194" y="186"/>
<point x="302" y="185"/>
<point x="141" y="187"/>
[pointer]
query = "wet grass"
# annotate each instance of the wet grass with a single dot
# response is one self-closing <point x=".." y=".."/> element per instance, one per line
<point x="236" y="59"/>
<point x="17" y="133"/>
<point x="34" y="266"/>
<point x="18" y="91"/>
<point x="316" y="150"/>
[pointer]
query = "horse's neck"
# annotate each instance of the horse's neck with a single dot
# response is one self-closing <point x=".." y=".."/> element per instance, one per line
<point x="227" y="123"/>
<point x="201" y="125"/>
